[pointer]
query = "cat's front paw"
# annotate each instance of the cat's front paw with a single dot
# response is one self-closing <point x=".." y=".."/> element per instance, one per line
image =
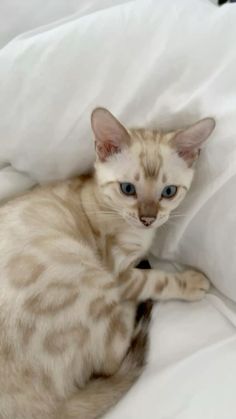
<point x="193" y="285"/>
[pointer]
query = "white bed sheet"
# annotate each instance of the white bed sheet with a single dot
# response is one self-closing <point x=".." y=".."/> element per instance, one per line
<point x="21" y="16"/>
<point x="153" y="64"/>
<point x="191" y="373"/>
<point x="191" y="368"/>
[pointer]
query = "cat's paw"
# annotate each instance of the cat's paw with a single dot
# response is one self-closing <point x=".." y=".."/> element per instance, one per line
<point x="193" y="285"/>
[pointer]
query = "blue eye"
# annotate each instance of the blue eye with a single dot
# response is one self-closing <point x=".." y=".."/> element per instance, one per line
<point x="169" y="191"/>
<point x="128" y="188"/>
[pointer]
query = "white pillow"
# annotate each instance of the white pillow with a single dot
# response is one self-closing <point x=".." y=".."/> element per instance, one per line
<point x="155" y="64"/>
<point x="17" y="17"/>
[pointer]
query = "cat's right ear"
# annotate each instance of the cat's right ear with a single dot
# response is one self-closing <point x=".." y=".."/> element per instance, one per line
<point x="110" y="135"/>
<point x="188" y="142"/>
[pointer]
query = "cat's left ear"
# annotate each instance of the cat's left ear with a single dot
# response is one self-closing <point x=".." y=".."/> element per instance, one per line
<point x="189" y="141"/>
<point x="110" y="135"/>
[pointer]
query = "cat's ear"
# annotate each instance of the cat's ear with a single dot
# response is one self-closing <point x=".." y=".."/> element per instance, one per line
<point x="110" y="135"/>
<point x="189" y="141"/>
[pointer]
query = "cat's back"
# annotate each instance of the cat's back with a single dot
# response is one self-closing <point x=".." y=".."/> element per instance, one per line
<point x="44" y="208"/>
<point x="37" y="228"/>
<point x="42" y="254"/>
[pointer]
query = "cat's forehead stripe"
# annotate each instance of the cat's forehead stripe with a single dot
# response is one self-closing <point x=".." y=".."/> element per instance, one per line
<point x="150" y="164"/>
<point x="150" y="160"/>
<point x="148" y="151"/>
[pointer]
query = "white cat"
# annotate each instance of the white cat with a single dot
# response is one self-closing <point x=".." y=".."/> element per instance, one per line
<point x="70" y="345"/>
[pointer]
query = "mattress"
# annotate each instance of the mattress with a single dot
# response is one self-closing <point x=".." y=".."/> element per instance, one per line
<point x="191" y="370"/>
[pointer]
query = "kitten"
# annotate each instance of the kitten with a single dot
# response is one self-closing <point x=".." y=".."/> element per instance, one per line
<point x="70" y="346"/>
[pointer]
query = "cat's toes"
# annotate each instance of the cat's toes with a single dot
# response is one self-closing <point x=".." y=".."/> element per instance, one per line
<point x="193" y="285"/>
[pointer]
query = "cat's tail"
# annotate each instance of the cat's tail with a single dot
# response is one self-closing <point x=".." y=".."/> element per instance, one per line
<point x="101" y="394"/>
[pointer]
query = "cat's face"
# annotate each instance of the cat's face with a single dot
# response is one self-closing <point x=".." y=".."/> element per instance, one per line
<point x="143" y="175"/>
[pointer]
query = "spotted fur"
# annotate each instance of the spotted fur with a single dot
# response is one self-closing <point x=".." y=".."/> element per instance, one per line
<point x="70" y="343"/>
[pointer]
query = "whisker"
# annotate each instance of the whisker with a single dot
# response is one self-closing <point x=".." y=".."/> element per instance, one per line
<point x="101" y="212"/>
<point x="177" y="213"/>
<point x="171" y="223"/>
<point x="110" y="214"/>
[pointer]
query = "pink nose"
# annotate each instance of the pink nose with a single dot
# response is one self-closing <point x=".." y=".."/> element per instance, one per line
<point x="147" y="221"/>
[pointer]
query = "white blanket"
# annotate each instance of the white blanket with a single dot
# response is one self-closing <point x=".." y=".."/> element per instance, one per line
<point x="191" y="372"/>
<point x="153" y="64"/>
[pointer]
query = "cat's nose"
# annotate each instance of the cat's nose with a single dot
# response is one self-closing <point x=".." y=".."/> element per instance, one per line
<point x="147" y="221"/>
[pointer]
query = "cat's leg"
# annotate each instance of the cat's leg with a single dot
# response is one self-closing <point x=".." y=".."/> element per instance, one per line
<point x="118" y="331"/>
<point x="139" y="285"/>
<point x="127" y="322"/>
<point x="101" y="393"/>
<point x="123" y="324"/>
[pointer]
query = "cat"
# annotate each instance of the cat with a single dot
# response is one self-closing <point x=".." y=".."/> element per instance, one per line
<point x="70" y="341"/>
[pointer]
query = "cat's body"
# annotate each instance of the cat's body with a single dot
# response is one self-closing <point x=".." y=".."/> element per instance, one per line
<point x="69" y="289"/>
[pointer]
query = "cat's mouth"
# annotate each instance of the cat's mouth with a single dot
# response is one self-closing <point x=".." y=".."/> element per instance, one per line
<point x="158" y="222"/>
<point x="132" y="220"/>
<point x="137" y="223"/>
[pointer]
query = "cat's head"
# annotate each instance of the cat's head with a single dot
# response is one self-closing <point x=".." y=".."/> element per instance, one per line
<point x="143" y="174"/>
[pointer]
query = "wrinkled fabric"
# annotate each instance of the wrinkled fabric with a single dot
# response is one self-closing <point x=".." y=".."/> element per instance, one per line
<point x="191" y="369"/>
<point x="156" y="64"/>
